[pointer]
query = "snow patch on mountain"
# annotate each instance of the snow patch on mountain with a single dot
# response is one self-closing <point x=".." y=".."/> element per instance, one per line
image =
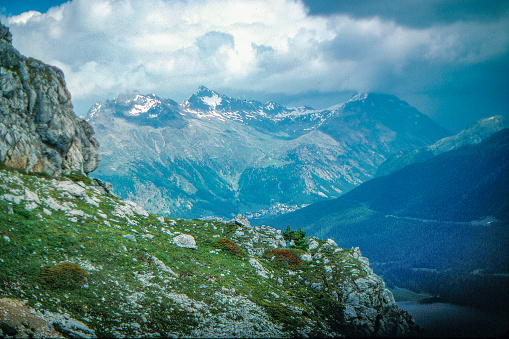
<point x="212" y="101"/>
<point x="143" y="104"/>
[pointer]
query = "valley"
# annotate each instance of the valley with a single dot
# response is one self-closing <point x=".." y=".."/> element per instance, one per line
<point x="132" y="222"/>
<point x="214" y="155"/>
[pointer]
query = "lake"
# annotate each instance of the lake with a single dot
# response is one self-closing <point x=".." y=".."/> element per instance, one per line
<point x="441" y="319"/>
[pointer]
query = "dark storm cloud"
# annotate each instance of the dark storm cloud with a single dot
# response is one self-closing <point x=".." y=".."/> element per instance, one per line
<point x="447" y="58"/>
<point x="414" y="13"/>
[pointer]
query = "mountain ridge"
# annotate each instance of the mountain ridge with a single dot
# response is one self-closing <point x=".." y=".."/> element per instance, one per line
<point x="474" y="133"/>
<point x="447" y="214"/>
<point x="227" y="146"/>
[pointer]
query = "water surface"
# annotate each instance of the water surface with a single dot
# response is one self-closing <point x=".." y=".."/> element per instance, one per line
<point x="441" y="319"/>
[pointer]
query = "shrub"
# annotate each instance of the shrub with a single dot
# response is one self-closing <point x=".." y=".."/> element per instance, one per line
<point x="298" y="237"/>
<point x="66" y="275"/>
<point x="229" y="246"/>
<point x="283" y="257"/>
<point x="8" y="329"/>
<point x="78" y="176"/>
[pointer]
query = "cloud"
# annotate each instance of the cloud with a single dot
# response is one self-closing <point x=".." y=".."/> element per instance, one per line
<point x="170" y="48"/>
<point x="415" y="13"/>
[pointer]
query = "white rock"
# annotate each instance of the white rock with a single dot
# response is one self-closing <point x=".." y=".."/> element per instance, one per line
<point x="13" y="198"/>
<point x="163" y="267"/>
<point x="31" y="205"/>
<point x="306" y="257"/>
<point x="242" y="221"/>
<point x="31" y="196"/>
<point x="185" y="240"/>
<point x="259" y="268"/>
<point x="313" y="244"/>
<point x="316" y="286"/>
<point x="75" y="328"/>
<point x="69" y="187"/>
<point x="6" y="238"/>
<point x="75" y="213"/>
<point x="332" y="242"/>
<point x="130" y="237"/>
<point x="54" y="205"/>
<point x="350" y="312"/>
<point x="137" y="208"/>
<point x="91" y="201"/>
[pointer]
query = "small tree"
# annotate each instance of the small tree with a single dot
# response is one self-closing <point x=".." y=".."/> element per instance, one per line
<point x="298" y="236"/>
<point x="288" y="234"/>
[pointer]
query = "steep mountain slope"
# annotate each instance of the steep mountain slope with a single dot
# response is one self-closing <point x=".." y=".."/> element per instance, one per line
<point x="88" y="265"/>
<point x="215" y="155"/>
<point x="473" y="134"/>
<point x="447" y="215"/>
<point x="78" y="262"/>
<point x="38" y="129"/>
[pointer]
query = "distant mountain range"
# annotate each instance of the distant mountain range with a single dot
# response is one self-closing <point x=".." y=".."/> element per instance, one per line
<point x="473" y="134"/>
<point x="438" y="225"/>
<point x="213" y="155"/>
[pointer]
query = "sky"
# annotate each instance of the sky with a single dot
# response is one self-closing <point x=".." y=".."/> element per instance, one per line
<point x="449" y="59"/>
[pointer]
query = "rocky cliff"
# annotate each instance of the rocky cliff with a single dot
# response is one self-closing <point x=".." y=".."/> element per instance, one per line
<point x="77" y="262"/>
<point x="38" y="129"/>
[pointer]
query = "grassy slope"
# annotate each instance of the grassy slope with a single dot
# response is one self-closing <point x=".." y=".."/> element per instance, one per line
<point x="125" y="287"/>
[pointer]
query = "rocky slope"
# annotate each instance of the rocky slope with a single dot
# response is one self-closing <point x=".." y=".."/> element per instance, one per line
<point x="216" y="155"/>
<point x="76" y="261"/>
<point x="473" y="134"/>
<point x="38" y="129"/>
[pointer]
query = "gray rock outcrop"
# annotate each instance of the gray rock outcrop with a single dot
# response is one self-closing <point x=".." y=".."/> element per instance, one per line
<point x="39" y="131"/>
<point x="185" y="240"/>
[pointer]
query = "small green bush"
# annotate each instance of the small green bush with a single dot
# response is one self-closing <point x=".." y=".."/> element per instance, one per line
<point x="66" y="275"/>
<point x="79" y="176"/>
<point x="229" y="246"/>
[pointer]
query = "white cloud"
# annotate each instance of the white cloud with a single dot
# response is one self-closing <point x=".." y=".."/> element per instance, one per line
<point x="170" y="47"/>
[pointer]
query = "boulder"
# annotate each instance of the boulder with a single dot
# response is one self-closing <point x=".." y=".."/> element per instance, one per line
<point x="185" y="240"/>
<point x="242" y="221"/>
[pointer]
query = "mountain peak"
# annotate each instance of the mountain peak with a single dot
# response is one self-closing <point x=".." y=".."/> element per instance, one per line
<point x="206" y="92"/>
<point x="5" y="34"/>
<point x="359" y="97"/>
<point x="203" y="89"/>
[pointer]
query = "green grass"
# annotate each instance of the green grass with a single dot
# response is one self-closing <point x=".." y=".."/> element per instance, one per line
<point x="88" y="269"/>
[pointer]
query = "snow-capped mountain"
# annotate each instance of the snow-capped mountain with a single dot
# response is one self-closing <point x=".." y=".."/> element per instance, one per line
<point x="208" y="103"/>
<point x="213" y="155"/>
